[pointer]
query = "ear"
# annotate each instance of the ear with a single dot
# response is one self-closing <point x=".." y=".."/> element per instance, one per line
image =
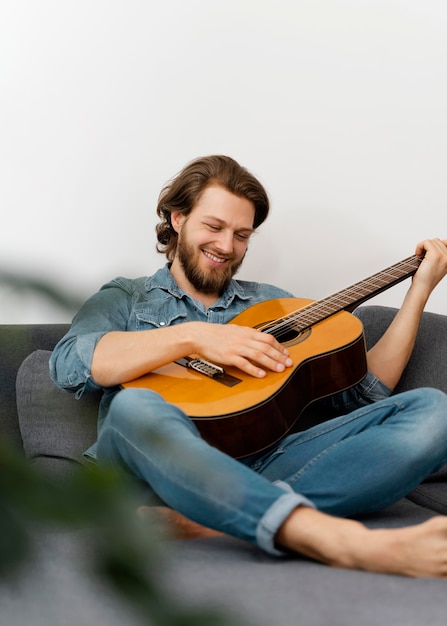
<point x="177" y="220"/>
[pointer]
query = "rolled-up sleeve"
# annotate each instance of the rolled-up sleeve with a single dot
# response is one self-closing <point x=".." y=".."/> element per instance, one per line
<point x="71" y="359"/>
<point x="70" y="363"/>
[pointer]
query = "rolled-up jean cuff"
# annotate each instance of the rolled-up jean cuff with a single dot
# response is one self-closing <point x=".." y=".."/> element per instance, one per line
<point x="275" y="516"/>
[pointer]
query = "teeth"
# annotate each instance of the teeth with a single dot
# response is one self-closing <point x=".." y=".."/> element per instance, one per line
<point x="216" y="259"/>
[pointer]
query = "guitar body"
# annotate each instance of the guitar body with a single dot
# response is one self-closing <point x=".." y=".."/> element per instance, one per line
<point x="250" y="414"/>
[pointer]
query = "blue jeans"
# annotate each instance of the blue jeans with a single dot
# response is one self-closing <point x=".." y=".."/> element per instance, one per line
<point x="357" y="463"/>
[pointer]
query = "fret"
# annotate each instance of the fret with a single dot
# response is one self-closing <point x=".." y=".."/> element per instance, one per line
<point x="346" y="298"/>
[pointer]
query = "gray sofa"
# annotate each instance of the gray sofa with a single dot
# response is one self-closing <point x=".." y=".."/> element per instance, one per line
<point x="51" y="429"/>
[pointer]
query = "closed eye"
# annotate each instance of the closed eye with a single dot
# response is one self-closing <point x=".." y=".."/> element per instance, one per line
<point x="242" y="236"/>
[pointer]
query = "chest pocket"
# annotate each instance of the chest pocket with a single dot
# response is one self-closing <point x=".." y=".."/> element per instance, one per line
<point x="159" y="313"/>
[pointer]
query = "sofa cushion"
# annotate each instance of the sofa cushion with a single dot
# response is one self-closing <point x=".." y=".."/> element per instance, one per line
<point x="53" y="424"/>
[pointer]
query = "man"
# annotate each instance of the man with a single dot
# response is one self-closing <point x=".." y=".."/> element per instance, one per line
<point x="297" y="495"/>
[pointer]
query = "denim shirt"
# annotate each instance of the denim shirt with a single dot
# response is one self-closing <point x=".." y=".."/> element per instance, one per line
<point x="142" y="304"/>
<point x="156" y="302"/>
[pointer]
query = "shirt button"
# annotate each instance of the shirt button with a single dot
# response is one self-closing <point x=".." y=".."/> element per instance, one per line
<point x="162" y="323"/>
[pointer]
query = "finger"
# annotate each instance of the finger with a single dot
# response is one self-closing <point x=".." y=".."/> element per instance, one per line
<point x="249" y="368"/>
<point x="423" y="246"/>
<point x="271" y="341"/>
<point x="268" y="358"/>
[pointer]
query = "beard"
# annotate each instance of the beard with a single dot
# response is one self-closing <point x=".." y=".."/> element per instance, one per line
<point x="210" y="282"/>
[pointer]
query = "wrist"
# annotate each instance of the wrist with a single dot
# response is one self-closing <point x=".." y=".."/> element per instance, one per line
<point x="417" y="296"/>
<point x="190" y="337"/>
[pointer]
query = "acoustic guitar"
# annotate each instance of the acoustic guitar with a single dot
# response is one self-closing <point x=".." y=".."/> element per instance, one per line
<point x="242" y="415"/>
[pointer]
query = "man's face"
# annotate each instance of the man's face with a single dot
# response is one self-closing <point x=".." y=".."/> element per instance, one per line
<point x="213" y="239"/>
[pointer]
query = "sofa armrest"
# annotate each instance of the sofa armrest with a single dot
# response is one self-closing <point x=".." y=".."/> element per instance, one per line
<point x="56" y="428"/>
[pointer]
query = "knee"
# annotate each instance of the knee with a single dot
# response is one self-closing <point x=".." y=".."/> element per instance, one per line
<point x="133" y="408"/>
<point x="144" y="412"/>
<point x="128" y="400"/>
<point x="435" y="427"/>
<point x="439" y="410"/>
<point x="434" y="403"/>
<point x="426" y="399"/>
<point x="431" y="410"/>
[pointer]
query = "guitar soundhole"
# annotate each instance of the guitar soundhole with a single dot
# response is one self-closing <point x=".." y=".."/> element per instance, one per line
<point x="288" y="336"/>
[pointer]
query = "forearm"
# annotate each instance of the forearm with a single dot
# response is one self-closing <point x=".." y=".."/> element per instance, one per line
<point x="123" y="356"/>
<point x="389" y="356"/>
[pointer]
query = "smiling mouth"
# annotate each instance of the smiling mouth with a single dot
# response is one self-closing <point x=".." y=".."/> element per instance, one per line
<point x="214" y="258"/>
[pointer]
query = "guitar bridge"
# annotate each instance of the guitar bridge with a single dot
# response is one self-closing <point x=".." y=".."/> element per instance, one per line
<point x="209" y="369"/>
<point x="205" y="367"/>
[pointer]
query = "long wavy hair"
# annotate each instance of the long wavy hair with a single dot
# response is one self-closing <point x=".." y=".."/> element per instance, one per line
<point x="183" y="192"/>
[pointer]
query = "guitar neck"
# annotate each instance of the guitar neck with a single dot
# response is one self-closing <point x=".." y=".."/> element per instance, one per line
<point x="351" y="297"/>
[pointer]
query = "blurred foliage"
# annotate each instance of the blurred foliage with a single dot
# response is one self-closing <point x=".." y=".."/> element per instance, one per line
<point x="126" y="552"/>
<point x="26" y="284"/>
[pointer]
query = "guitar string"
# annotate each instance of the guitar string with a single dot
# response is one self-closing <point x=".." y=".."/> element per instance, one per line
<point x="326" y="306"/>
<point x="359" y="290"/>
<point x="356" y="289"/>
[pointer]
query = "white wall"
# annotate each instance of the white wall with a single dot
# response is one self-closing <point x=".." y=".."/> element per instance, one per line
<point x="338" y="106"/>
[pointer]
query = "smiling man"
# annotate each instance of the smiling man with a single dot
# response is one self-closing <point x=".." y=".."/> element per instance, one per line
<point x="297" y="494"/>
<point x="212" y="242"/>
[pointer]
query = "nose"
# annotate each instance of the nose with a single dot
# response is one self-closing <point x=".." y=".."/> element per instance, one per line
<point x="225" y="242"/>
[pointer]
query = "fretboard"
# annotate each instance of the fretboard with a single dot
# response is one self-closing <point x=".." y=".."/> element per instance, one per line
<point x="351" y="297"/>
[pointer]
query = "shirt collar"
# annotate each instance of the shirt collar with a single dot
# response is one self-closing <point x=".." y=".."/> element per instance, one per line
<point x="163" y="279"/>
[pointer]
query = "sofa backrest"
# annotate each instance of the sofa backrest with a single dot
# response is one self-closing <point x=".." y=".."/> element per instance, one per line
<point x="427" y="365"/>
<point x="426" y="368"/>
<point x="17" y="341"/>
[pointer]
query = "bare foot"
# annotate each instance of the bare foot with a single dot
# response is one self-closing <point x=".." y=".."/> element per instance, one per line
<point x="417" y="551"/>
<point x="177" y="526"/>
